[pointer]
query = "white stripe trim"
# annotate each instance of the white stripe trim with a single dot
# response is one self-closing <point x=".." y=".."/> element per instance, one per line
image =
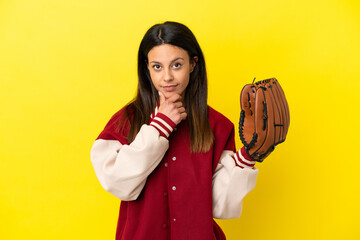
<point x="165" y="123"/>
<point x="237" y="160"/>
<point x="244" y="160"/>
<point x="240" y="163"/>
<point x="160" y="128"/>
<point x="243" y="165"/>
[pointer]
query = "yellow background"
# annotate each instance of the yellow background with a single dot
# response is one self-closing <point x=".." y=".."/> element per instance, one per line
<point x="66" y="66"/>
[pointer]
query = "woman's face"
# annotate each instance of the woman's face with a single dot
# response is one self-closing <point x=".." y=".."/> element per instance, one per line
<point x="170" y="69"/>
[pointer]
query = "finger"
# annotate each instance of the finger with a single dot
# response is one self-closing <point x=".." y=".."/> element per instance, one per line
<point x="181" y="110"/>
<point x="178" y="104"/>
<point x="183" y="115"/>
<point x="174" y="98"/>
<point x="162" y="98"/>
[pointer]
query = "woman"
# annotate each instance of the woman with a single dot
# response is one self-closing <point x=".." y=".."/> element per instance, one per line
<point x="167" y="155"/>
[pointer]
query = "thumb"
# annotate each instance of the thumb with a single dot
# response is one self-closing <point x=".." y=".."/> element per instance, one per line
<point x="162" y="97"/>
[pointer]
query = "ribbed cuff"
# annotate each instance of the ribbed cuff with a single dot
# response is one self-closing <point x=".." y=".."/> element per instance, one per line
<point x="242" y="159"/>
<point x="163" y="124"/>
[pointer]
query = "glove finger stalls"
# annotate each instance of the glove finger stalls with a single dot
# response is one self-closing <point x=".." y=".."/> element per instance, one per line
<point x="248" y="107"/>
<point x="285" y="109"/>
<point x="260" y="120"/>
<point x="265" y="129"/>
<point x="247" y="99"/>
<point x="277" y="113"/>
<point x="279" y="125"/>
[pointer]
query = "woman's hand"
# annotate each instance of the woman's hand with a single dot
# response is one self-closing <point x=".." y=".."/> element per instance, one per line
<point x="172" y="107"/>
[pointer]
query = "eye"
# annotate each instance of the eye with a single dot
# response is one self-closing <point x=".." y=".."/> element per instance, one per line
<point x="156" y="67"/>
<point x="177" y="65"/>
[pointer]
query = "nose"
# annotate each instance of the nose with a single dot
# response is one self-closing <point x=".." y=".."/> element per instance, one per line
<point x="168" y="75"/>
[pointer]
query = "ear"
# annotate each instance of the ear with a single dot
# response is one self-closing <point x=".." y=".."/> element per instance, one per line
<point x="193" y="63"/>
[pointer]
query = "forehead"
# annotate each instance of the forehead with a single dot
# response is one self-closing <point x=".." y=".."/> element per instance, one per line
<point x="166" y="52"/>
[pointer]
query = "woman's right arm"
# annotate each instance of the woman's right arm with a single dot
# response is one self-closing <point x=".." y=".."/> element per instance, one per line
<point x="123" y="169"/>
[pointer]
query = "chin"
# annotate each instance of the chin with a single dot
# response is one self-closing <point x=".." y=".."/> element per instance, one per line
<point x="169" y="94"/>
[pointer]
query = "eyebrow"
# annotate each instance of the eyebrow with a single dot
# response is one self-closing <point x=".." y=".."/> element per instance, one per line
<point x="171" y="61"/>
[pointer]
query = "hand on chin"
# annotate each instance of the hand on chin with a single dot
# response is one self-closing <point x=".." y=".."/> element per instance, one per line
<point x="169" y="94"/>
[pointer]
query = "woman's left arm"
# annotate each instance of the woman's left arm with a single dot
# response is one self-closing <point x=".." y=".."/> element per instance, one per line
<point x="234" y="177"/>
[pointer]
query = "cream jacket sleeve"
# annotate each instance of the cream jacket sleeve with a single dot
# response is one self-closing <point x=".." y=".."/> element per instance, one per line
<point x="123" y="169"/>
<point x="234" y="177"/>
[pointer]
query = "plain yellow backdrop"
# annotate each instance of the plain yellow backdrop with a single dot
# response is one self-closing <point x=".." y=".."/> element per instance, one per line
<point x="66" y="66"/>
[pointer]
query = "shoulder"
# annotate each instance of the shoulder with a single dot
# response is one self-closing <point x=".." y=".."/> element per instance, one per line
<point x="121" y="114"/>
<point x="216" y="118"/>
<point x="223" y="130"/>
<point x="117" y="128"/>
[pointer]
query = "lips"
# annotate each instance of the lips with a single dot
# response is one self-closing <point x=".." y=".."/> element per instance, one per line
<point x="170" y="88"/>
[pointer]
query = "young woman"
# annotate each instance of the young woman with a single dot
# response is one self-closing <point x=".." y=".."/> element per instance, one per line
<point x="167" y="155"/>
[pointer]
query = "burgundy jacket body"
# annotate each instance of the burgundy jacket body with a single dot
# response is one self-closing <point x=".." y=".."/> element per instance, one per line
<point x="176" y="202"/>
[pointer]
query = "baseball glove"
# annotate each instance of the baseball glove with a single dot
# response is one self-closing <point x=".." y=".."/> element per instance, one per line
<point x="264" y="119"/>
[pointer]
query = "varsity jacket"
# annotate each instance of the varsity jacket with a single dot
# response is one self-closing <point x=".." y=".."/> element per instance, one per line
<point x="167" y="192"/>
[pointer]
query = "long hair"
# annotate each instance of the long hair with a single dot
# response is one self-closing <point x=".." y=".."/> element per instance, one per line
<point x="140" y="108"/>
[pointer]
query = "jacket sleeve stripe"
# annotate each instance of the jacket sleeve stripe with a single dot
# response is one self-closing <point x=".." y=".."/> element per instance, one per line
<point x="160" y="127"/>
<point x="242" y="159"/>
<point x="166" y="120"/>
<point x="163" y="124"/>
